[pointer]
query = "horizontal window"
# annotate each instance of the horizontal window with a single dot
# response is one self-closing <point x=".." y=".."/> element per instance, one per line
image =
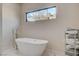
<point x="41" y="14"/>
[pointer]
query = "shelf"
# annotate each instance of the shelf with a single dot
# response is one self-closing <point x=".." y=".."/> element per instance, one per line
<point x="69" y="53"/>
<point x="72" y="42"/>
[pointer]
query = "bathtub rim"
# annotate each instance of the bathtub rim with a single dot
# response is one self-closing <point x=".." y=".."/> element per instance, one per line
<point x="25" y="40"/>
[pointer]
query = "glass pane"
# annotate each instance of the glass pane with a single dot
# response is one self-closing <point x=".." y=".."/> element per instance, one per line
<point x="42" y="14"/>
<point x="32" y="16"/>
<point x="29" y="17"/>
<point x="35" y="15"/>
<point x="52" y="13"/>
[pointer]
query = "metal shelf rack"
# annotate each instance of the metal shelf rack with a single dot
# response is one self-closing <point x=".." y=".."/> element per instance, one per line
<point x="72" y="42"/>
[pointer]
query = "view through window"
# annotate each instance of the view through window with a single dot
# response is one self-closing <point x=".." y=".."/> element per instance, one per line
<point x="41" y="14"/>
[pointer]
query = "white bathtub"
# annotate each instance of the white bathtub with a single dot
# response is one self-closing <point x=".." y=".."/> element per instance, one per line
<point x="31" y="47"/>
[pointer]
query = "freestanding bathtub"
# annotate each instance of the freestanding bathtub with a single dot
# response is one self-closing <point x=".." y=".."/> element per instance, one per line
<point x="31" y="47"/>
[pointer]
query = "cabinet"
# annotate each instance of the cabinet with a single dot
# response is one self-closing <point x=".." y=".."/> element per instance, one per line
<point x="72" y="42"/>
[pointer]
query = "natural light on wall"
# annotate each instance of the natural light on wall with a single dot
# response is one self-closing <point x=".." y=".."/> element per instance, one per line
<point x="41" y="14"/>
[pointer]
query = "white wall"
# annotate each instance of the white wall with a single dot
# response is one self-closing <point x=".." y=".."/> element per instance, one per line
<point x="0" y="25"/>
<point x="54" y="30"/>
<point x="10" y="22"/>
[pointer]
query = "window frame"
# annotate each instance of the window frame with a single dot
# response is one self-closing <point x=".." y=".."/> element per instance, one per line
<point x="38" y="10"/>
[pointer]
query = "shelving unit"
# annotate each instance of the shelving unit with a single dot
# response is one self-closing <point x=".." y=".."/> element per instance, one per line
<point x="72" y="42"/>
